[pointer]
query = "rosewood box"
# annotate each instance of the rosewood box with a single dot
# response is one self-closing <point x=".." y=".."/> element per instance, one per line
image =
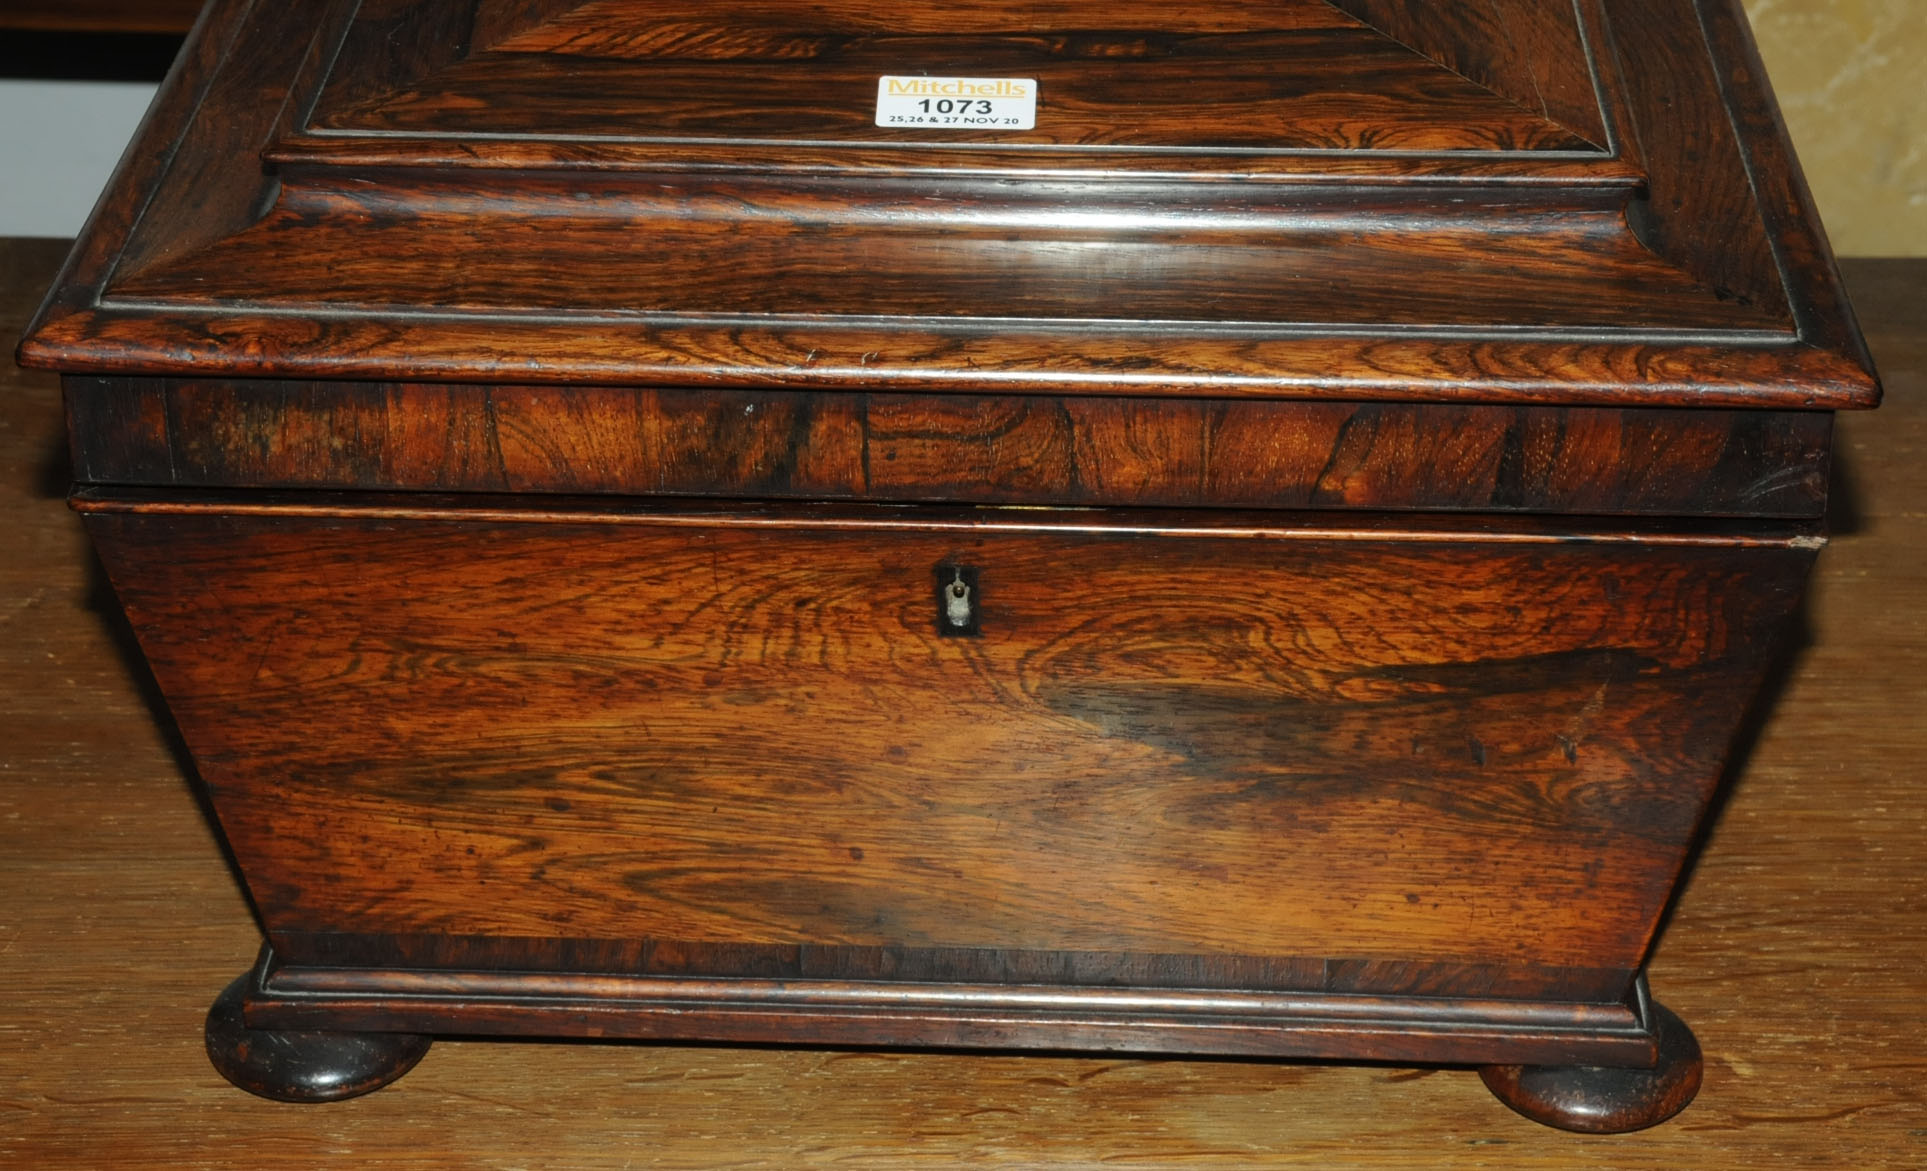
<point x="1214" y="528"/>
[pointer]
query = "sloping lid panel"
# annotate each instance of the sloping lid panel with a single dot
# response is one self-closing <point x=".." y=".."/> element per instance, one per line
<point x="1525" y="200"/>
<point x="1293" y="74"/>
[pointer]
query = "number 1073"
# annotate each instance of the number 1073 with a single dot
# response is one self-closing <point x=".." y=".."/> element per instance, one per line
<point x="955" y="106"/>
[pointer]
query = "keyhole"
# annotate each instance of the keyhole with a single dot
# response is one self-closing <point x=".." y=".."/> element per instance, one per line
<point x="959" y="608"/>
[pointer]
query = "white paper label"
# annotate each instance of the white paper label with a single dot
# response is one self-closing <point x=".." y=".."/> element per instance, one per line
<point x="957" y="103"/>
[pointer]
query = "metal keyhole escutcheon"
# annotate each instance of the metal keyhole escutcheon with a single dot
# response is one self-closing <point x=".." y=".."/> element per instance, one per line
<point x="957" y="601"/>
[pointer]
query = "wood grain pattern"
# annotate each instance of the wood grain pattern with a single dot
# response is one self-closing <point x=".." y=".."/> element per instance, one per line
<point x="1533" y="53"/>
<point x="1278" y="89"/>
<point x="1786" y="206"/>
<point x="1701" y="208"/>
<point x="1156" y="745"/>
<point x="241" y="344"/>
<point x="1414" y="103"/>
<point x="1294" y="74"/>
<point x="120" y="209"/>
<point x="205" y="205"/>
<point x="961" y="449"/>
<point x="1413" y="274"/>
<point x="612" y="28"/>
<point x="1095" y="257"/>
<point x="1794" y="951"/>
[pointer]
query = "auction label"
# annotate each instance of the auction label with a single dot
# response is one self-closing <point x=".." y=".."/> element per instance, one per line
<point x="958" y="103"/>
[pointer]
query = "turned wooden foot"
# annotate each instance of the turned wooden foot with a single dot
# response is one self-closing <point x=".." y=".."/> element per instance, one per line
<point x="295" y="1066"/>
<point x="1597" y="1100"/>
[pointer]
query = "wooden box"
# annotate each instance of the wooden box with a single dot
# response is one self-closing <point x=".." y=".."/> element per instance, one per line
<point x="1216" y="528"/>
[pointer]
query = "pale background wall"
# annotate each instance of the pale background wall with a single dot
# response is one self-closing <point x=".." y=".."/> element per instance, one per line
<point x="1851" y="76"/>
<point x="59" y="141"/>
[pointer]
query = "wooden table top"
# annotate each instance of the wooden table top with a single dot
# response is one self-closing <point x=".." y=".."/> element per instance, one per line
<point x="1798" y="952"/>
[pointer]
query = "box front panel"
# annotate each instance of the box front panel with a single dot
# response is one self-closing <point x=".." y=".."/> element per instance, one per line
<point x="685" y="734"/>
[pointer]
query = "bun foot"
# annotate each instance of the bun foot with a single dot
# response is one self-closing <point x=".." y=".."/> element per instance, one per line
<point x="1597" y="1100"/>
<point x="298" y="1066"/>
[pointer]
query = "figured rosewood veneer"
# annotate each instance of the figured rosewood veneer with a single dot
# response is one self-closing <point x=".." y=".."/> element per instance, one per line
<point x="1270" y="561"/>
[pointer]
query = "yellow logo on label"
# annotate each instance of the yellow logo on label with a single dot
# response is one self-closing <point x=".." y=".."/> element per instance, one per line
<point x="957" y="87"/>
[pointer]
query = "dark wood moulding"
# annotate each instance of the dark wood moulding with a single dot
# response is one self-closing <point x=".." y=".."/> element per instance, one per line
<point x="949" y="1015"/>
<point x="1353" y="976"/>
<point x="1079" y="451"/>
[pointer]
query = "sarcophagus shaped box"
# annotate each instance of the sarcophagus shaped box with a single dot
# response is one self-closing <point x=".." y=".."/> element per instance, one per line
<point x="1221" y="528"/>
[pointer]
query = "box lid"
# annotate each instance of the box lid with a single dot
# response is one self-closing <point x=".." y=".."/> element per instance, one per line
<point x="1568" y="201"/>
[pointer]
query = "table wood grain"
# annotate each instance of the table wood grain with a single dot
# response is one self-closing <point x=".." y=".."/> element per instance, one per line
<point x="1798" y="952"/>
